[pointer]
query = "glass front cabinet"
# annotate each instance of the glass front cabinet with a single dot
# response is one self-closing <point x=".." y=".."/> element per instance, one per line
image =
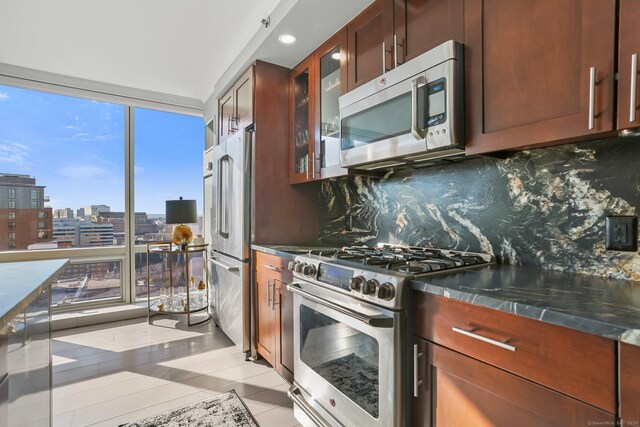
<point x="316" y="84"/>
<point x="302" y="139"/>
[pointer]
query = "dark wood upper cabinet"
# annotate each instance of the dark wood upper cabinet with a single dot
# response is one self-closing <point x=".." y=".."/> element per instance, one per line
<point x="236" y="106"/>
<point x="458" y="390"/>
<point x="331" y="82"/>
<point x="421" y="25"/>
<point x="316" y="84"/>
<point x="225" y="115"/>
<point x="274" y="201"/>
<point x="303" y="138"/>
<point x="529" y="68"/>
<point x="628" y="65"/>
<point x="370" y="43"/>
<point x="390" y="32"/>
<point x="629" y="366"/>
<point x="243" y="100"/>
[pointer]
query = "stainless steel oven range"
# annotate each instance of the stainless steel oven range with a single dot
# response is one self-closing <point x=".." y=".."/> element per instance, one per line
<point x="351" y="344"/>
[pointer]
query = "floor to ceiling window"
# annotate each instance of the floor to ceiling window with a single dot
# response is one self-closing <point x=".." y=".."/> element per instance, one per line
<point x="168" y="165"/>
<point x="64" y="186"/>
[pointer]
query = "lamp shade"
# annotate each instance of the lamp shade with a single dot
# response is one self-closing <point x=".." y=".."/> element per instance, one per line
<point x="181" y="211"/>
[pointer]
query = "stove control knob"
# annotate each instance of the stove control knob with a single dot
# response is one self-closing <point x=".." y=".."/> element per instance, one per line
<point x="309" y="270"/>
<point x="369" y="287"/>
<point x="356" y="283"/>
<point x="386" y="291"/>
<point x="292" y="265"/>
<point x="298" y="267"/>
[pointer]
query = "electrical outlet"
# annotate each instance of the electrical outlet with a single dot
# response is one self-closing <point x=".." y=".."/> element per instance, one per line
<point x="621" y="233"/>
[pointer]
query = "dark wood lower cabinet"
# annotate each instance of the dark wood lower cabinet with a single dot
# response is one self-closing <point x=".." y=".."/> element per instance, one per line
<point x="274" y="312"/>
<point x="265" y="325"/>
<point x="629" y="385"/>
<point x="458" y="390"/>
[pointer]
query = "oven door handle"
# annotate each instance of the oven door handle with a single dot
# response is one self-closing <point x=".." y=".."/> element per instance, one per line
<point x="295" y="394"/>
<point x="374" y="321"/>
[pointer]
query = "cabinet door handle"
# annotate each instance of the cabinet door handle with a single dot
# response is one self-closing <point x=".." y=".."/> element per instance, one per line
<point x="271" y="267"/>
<point x="473" y="335"/>
<point x="384" y="57"/>
<point x="592" y="97"/>
<point x="416" y="381"/>
<point x="313" y="166"/>
<point x="634" y="87"/>
<point x="233" y="120"/>
<point x="268" y="293"/>
<point x="273" y="296"/>
<point x="395" y="51"/>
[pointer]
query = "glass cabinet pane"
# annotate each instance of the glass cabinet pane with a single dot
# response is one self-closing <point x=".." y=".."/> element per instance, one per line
<point x="329" y="109"/>
<point x="301" y="123"/>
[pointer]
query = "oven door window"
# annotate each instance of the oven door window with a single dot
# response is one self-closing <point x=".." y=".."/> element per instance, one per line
<point x="343" y="356"/>
<point x="383" y="121"/>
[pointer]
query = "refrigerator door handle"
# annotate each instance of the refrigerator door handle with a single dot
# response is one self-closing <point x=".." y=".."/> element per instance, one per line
<point x="224" y="174"/>
<point x="229" y="268"/>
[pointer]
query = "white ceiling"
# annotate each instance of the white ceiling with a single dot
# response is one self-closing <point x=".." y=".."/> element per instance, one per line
<point x="190" y="48"/>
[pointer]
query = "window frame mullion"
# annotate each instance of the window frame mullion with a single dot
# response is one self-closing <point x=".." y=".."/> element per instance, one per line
<point x="128" y="291"/>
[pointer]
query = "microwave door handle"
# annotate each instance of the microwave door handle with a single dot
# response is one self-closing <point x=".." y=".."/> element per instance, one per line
<point x="417" y="133"/>
<point x="374" y="321"/>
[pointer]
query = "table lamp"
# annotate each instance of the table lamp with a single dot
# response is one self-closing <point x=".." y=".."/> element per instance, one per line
<point x="181" y="212"/>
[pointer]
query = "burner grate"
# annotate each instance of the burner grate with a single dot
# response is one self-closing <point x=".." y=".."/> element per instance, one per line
<point x="409" y="259"/>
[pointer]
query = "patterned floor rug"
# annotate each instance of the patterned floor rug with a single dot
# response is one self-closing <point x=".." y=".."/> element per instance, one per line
<point x="225" y="410"/>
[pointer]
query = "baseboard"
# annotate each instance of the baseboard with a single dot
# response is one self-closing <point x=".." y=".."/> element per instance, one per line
<point x="94" y="316"/>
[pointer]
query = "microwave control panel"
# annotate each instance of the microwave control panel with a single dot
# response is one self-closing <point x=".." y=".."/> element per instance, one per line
<point x="436" y="102"/>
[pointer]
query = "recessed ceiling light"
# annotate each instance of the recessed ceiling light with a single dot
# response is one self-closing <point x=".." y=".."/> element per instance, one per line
<point x="336" y="55"/>
<point x="287" y="38"/>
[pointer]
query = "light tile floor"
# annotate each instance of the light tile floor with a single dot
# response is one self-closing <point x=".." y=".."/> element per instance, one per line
<point x="110" y="374"/>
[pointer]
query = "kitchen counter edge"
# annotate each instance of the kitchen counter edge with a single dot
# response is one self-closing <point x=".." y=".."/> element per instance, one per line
<point x="36" y="275"/>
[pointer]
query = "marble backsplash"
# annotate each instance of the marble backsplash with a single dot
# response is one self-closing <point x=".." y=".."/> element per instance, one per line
<point x="542" y="208"/>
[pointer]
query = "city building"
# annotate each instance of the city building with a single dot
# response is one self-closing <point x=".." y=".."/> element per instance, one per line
<point x="63" y="213"/>
<point x="24" y="219"/>
<point x="83" y="233"/>
<point x="80" y="213"/>
<point x="95" y="209"/>
<point x="143" y="224"/>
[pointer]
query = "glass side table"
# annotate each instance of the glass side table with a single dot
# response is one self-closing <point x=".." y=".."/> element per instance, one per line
<point x="180" y="292"/>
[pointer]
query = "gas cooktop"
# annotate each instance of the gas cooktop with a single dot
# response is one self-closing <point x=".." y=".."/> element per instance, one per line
<point x="380" y="274"/>
<point x="413" y="260"/>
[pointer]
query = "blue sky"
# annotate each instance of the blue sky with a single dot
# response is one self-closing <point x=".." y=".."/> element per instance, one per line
<point x="75" y="147"/>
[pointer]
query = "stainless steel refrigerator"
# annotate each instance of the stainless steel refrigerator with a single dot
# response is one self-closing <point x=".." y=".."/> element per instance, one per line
<point x="230" y="238"/>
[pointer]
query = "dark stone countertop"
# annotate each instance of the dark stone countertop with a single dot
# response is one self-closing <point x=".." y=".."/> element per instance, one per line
<point x="592" y="304"/>
<point x="288" y="251"/>
<point x="605" y="307"/>
<point x="21" y="282"/>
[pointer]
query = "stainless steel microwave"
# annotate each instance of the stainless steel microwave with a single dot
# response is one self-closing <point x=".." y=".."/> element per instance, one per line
<point x="412" y="114"/>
